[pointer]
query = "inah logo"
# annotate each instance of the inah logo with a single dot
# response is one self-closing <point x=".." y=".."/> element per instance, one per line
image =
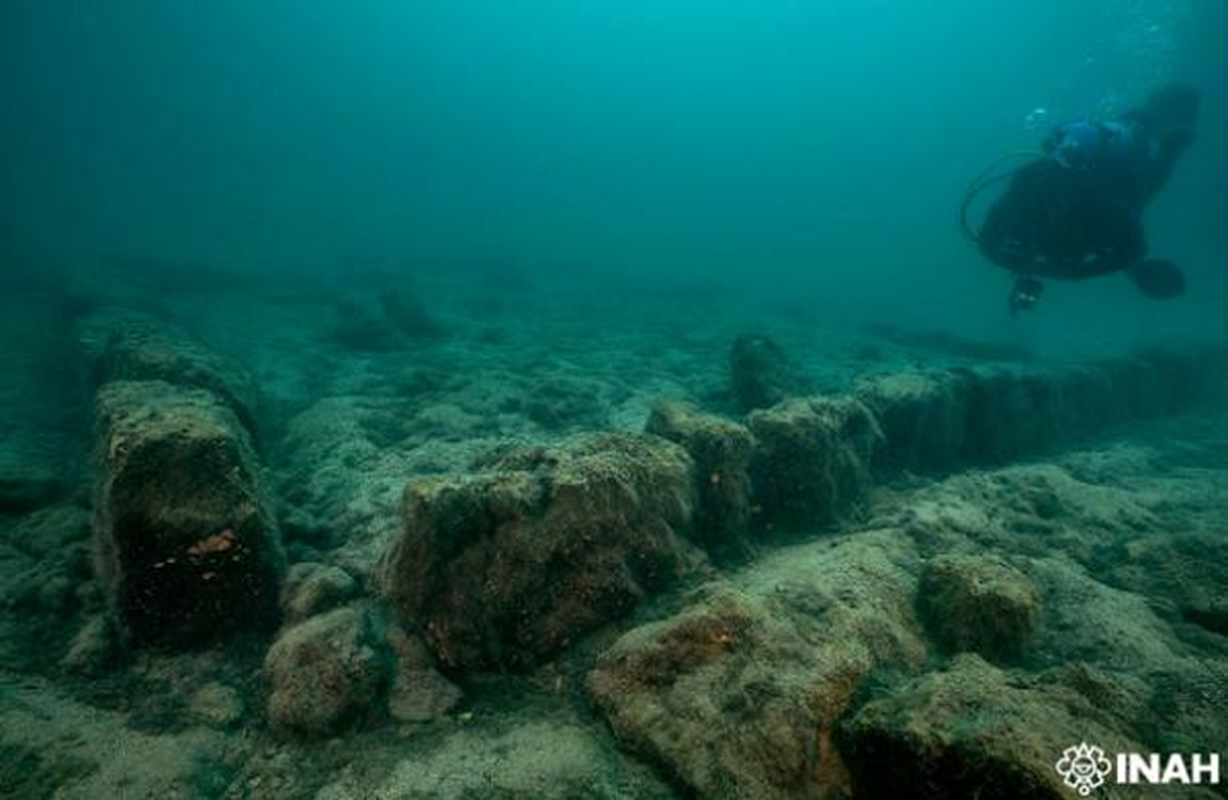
<point x="1083" y="768"/>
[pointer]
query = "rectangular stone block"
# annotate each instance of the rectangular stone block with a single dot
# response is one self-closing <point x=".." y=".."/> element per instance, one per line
<point x="185" y="543"/>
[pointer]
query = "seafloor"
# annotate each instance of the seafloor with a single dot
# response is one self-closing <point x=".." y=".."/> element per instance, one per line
<point x="510" y="537"/>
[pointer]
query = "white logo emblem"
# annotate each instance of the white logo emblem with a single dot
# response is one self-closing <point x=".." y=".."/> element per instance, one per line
<point x="1083" y="768"/>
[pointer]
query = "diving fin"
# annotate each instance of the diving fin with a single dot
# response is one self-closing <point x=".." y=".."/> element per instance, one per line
<point x="1158" y="279"/>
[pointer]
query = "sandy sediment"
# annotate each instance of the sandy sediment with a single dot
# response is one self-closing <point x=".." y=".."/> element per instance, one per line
<point x="528" y="565"/>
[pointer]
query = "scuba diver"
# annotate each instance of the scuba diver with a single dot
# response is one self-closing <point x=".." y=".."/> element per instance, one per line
<point x="1075" y="210"/>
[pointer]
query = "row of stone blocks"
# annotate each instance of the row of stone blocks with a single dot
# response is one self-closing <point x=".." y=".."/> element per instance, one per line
<point x="504" y="567"/>
<point x="186" y="543"/>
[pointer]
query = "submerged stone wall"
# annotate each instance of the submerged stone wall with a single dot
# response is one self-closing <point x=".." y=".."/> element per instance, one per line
<point x="186" y="545"/>
<point x="810" y="673"/>
<point x="935" y="420"/>
<point x="118" y="344"/>
<point x="811" y="460"/>
<point x="505" y="567"/>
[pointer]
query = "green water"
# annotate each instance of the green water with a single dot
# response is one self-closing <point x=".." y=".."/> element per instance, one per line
<point x="553" y="400"/>
<point x="812" y="151"/>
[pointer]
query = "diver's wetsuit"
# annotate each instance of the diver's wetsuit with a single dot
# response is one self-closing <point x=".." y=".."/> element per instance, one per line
<point x="1054" y="222"/>
<point x="1077" y="213"/>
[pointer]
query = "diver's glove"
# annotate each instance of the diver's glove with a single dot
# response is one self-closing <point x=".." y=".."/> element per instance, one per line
<point x="1026" y="292"/>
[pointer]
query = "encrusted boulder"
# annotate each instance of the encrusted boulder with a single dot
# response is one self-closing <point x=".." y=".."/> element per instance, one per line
<point x="762" y="374"/>
<point x="504" y="568"/>
<point x="811" y="463"/>
<point x="739" y="694"/>
<point x="311" y="588"/>
<point x="216" y="705"/>
<point x="972" y="731"/>
<point x="979" y="604"/>
<point x="121" y="345"/>
<point x="328" y="672"/>
<point x="184" y="540"/>
<point x="419" y="693"/>
<point x="1189" y="570"/>
<point x="1008" y="414"/>
<point x="721" y="450"/>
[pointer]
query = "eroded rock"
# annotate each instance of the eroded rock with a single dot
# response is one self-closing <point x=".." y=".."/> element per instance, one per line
<point x="971" y="731"/>
<point x="419" y="692"/>
<point x="216" y="705"/>
<point x="934" y="420"/>
<point x="811" y="463"/>
<point x="762" y="374"/>
<point x="185" y="544"/>
<point x="979" y="604"/>
<point x="922" y="417"/>
<point x="311" y="588"/>
<point x="505" y="568"/>
<point x="721" y="450"/>
<point x="121" y="345"/>
<point x="1187" y="570"/>
<point x="738" y="695"/>
<point x="328" y="672"/>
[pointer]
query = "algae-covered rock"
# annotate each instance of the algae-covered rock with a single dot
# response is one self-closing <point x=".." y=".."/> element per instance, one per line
<point x="311" y="588"/>
<point x="121" y="345"/>
<point x="721" y="450"/>
<point x="934" y="420"/>
<point x="1187" y="570"/>
<point x="762" y="374"/>
<point x="1007" y="414"/>
<point x="216" y="705"/>
<point x="922" y="417"/>
<point x="419" y="693"/>
<point x="508" y="567"/>
<point x="972" y="731"/>
<point x="1011" y="413"/>
<point x="811" y="463"/>
<point x="327" y="672"/>
<point x="185" y="543"/>
<point x="979" y="604"/>
<point x="738" y="695"/>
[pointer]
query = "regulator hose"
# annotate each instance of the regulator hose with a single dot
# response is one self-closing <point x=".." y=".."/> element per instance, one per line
<point x="990" y="176"/>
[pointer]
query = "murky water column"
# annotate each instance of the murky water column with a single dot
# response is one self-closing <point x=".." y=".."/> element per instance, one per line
<point x="1141" y="45"/>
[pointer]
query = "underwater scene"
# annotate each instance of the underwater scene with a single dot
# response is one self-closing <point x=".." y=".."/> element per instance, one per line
<point x="544" y="400"/>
